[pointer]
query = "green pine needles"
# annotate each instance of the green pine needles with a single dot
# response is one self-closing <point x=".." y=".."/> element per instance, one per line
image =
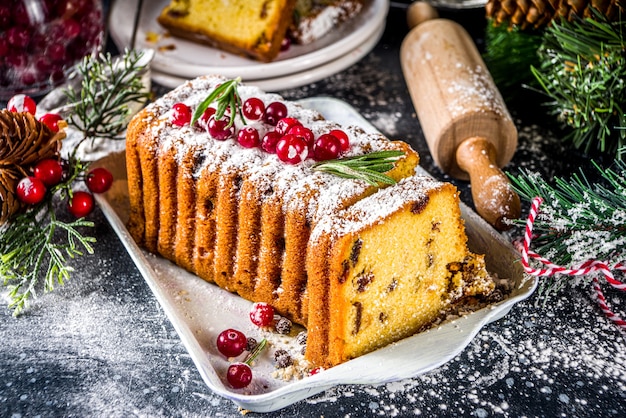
<point x="37" y="244"/>
<point x="583" y="71"/>
<point x="578" y="221"/>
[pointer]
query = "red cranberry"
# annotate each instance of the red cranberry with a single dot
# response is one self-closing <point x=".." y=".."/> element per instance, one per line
<point x="269" y="141"/>
<point x="274" y="112"/>
<point x="49" y="171"/>
<point x="292" y="149"/>
<point x="231" y="342"/>
<point x="304" y="132"/>
<point x="181" y="114"/>
<point x="342" y="137"/>
<point x="57" y="53"/>
<point x="31" y="190"/>
<point x="239" y="375"/>
<point x="262" y="314"/>
<point x="284" y="124"/>
<point x="248" y="137"/>
<point x="4" y="47"/>
<point x="80" y="204"/>
<point x="99" y="180"/>
<point x="203" y="122"/>
<point x="253" y="108"/>
<point x="18" y="37"/>
<point x="218" y="129"/>
<point x="5" y="17"/>
<point x="71" y="29"/>
<point x="22" y="103"/>
<point x="51" y="120"/>
<point x="327" y="147"/>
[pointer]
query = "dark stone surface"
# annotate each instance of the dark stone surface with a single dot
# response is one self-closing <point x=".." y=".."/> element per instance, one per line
<point x="102" y="346"/>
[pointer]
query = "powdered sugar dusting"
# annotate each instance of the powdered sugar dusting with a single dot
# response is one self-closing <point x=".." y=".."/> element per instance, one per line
<point x="475" y="89"/>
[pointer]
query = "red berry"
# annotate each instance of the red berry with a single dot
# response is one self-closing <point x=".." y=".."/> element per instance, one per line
<point x="274" y="112"/>
<point x="284" y="124"/>
<point x="22" y="103"/>
<point x="342" y="137"/>
<point x="203" y="122"/>
<point x="18" y="37"/>
<point x="262" y="314"/>
<point x="50" y="171"/>
<point x="99" y="180"/>
<point x="304" y="132"/>
<point x="269" y="141"/>
<point x="181" y="114"/>
<point x="327" y="147"/>
<point x="51" y="120"/>
<point x="248" y="137"/>
<point x="31" y="190"/>
<point x="239" y="375"/>
<point x="292" y="149"/>
<point x="80" y="204"/>
<point x="231" y="342"/>
<point x="218" y="129"/>
<point x="253" y="108"/>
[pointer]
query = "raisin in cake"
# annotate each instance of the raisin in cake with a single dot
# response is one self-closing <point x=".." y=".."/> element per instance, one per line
<point x="320" y="248"/>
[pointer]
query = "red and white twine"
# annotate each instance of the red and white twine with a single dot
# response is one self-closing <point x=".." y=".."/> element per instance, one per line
<point x="588" y="267"/>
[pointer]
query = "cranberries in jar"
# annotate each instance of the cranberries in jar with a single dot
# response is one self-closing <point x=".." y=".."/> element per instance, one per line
<point x="40" y="40"/>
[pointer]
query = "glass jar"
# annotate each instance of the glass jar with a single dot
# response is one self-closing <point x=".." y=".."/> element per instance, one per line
<point x="41" y="40"/>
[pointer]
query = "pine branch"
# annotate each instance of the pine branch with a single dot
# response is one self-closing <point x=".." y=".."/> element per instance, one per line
<point x="29" y="252"/>
<point x="35" y="246"/>
<point x="579" y="220"/>
<point x="509" y="54"/>
<point x="583" y="72"/>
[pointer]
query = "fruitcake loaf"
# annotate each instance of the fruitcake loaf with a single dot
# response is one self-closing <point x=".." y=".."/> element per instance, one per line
<point x="261" y="219"/>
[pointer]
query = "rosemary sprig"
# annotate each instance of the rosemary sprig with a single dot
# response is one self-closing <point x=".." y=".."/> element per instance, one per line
<point x="227" y="97"/>
<point x="368" y="167"/>
<point x="102" y="106"/>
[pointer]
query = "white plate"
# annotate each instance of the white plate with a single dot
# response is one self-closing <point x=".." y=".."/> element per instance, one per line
<point x="294" y="80"/>
<point x="199" y="311"/>
<point x="189" y="59"/>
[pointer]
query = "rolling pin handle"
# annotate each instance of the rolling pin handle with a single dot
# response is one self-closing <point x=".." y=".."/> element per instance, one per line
<point x="494" y="198"/>
<point x="418" y="12"/>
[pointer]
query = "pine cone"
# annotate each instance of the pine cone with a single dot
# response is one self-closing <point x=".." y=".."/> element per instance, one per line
<point x="24" y="141"/>
<point x="539" y="13"/>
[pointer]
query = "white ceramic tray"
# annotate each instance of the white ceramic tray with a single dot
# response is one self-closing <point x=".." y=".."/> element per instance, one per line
<point x="199" y="311"/>
<point x="182" y="58"/>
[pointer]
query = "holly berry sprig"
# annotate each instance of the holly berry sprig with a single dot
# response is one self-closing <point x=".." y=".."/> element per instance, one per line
<point x="28" y="245"/>
<point x="278" y="133"/>
<point x="36" y="243"/>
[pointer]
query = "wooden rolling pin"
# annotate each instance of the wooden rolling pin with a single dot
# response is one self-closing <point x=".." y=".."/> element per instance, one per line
<point x="466" y="124"/>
